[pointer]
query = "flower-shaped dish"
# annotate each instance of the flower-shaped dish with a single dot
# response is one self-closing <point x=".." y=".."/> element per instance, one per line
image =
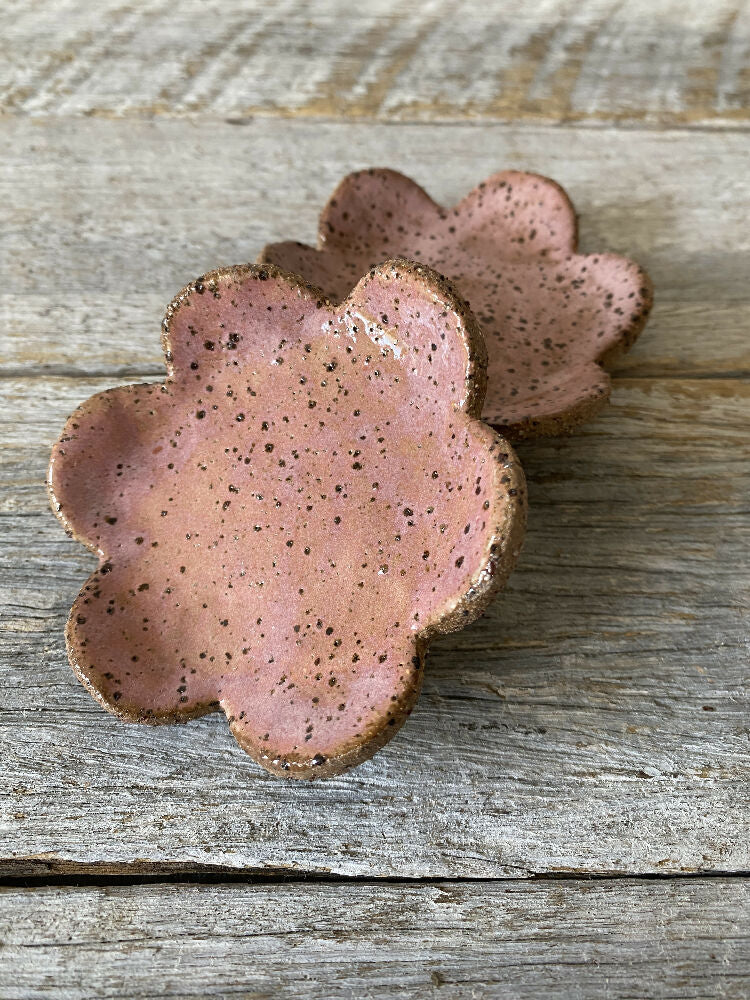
<point x="289" y="518"/>
<point x="552" y="317"/>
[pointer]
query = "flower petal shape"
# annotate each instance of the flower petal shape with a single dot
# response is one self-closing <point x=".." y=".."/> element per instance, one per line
<point x="286" y="521"/>
<point x="553" y="318"/>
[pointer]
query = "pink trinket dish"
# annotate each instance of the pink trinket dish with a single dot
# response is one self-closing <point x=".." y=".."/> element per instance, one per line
<point x="553" y="319"/>
<point x="289" y="518"/>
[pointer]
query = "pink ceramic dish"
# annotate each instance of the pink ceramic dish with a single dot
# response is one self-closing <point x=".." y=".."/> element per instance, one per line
<point x="287" y="520"/>
<point x="551" y="317"/>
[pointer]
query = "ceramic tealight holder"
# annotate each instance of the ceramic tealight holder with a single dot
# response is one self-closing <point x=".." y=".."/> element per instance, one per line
<point x="553" y="319"/>
<point x="286" y="521"/>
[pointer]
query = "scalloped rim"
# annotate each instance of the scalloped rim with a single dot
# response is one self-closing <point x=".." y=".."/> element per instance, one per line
<point x="501" y="551"/>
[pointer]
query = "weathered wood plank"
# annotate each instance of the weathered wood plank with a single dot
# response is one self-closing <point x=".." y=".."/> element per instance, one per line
<point x="681" y="939"/>
<point x="594" y="720"/>
<point x="106" y="220"/>
<point x="596" y="60"/>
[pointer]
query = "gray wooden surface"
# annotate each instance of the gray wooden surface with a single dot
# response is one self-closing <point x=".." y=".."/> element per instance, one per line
<point x="665" y="62"/>
<point x="595" y="721"/>
<point x="629" y="938"/>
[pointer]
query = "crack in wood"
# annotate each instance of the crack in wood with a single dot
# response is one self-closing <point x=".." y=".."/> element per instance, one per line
<point x="60" y="873"/>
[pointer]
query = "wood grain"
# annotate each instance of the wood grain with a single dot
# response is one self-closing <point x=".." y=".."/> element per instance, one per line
<point x="106" y="220"/>
<point x="554" y="940"/>
<point x="594" y="721"/>
<point x="625" y="61"/>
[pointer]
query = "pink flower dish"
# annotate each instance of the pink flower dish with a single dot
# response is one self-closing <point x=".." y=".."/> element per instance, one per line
<point x="289" y="518"/>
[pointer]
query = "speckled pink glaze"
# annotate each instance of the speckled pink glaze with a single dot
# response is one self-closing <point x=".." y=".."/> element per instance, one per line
<point x="286" y="521"/>
<point x="551" y="316"/>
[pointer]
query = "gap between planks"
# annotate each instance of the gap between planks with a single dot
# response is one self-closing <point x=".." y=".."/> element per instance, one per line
<point x="58" y="874"/>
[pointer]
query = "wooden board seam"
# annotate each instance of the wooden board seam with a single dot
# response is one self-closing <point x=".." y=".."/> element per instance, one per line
<point x="20" y="873"/>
